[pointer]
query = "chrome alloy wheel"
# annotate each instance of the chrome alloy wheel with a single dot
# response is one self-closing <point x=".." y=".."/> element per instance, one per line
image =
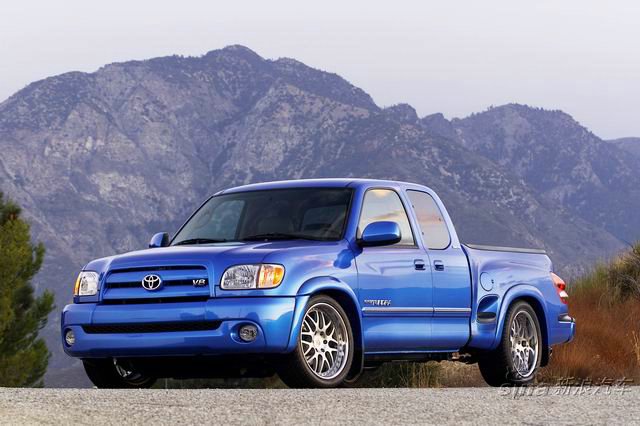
<point x="324" y="341"/>
<point x="524" y="344"/>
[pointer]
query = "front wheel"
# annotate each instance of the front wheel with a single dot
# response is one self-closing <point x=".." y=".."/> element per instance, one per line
<point x="115" y="374"/>
<point x="324" y="351"/>
<point x="515" y="361"/>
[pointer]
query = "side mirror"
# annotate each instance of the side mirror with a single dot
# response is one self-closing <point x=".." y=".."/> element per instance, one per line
<point x="161" y="239"/>
<point x="380" y="234"/>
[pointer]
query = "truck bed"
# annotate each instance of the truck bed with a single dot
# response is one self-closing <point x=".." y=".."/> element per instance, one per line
<point x="507" y="249"/>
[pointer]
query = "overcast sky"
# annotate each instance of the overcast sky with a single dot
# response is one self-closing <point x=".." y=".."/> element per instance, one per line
<point x="454" y="57"/>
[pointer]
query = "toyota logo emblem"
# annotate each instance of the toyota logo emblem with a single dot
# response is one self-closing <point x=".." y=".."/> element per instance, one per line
<point x="151" y="282"/>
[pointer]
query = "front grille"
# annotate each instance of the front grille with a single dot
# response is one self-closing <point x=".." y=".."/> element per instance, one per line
<point x="136" y="284"/>
<point x="180" y="283"/>
<point x="155" y="327"/>
<point x="148" y="301"/>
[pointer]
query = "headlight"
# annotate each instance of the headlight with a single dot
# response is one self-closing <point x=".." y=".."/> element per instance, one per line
<point x="87" y="284"/>
<point x="246" y="277"/>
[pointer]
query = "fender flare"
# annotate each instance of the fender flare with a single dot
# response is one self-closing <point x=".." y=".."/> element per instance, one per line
<point x="521" y="291"/>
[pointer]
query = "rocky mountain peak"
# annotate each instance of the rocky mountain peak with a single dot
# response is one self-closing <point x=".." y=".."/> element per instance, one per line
<point x="628" y="145"/>
<point x="322" y="83"/>
<point x="236" y="49"/>
<point x="403" y="113"/>
<point x="437" y="124"/>
<point x="563" y="160"/>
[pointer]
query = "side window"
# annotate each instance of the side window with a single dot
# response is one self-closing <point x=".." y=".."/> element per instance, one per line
<point x="385" y="205"/>
<point x="434" y="229"/>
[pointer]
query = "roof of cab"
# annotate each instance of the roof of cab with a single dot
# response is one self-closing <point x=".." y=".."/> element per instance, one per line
<point x="320" y="183"/>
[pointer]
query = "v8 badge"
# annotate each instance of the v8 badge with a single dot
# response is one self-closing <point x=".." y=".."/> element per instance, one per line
<point x="200" y="282"/>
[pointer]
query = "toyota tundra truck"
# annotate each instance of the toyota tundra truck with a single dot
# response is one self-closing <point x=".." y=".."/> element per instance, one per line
<point x="315" y="280"/>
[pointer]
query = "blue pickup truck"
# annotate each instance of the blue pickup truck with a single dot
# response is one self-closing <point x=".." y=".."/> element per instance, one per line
<point x="316" y="280"/>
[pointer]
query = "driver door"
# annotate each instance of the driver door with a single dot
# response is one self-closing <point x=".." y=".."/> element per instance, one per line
<point x="395" y="289"/>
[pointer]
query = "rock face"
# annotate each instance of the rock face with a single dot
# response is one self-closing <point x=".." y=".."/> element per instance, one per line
<point x="630" y="145"/>
<point x="101" y="161"/>
<point x="562" y="161"/>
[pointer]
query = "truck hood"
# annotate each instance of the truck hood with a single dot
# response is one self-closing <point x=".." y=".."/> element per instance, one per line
<point x="217" y="255"/>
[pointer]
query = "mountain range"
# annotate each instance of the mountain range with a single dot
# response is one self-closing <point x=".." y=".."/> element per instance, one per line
<point x="100" y="161"/>
<point x="630" y="145"/>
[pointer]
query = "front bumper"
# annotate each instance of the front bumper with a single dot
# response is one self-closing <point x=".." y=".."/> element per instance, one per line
<point x="273" y="317"/>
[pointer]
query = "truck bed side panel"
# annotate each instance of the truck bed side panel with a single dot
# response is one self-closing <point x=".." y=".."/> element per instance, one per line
<point x="500" y="277"/>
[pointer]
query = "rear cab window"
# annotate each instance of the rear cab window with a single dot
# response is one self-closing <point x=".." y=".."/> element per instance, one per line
<point x="435" y="232"/>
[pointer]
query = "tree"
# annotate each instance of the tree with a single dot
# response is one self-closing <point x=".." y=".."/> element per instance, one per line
<point x="23" y="355"/>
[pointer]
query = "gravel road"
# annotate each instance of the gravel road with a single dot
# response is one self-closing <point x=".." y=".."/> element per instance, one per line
<point x="279" y="406"/>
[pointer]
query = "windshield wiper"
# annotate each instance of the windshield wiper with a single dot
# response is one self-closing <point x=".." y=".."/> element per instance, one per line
<point x="278" y="236"/>
<point x="199" y="241"/>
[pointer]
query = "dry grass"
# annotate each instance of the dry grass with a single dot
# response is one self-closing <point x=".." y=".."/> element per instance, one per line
<point x="457" y="374"/>
<point x="400" y="375"/>
<point x="606" y="305"/>
<point x="423" y="375"/>
<point x="607" y="344"/>
<point x="636" y="346"/>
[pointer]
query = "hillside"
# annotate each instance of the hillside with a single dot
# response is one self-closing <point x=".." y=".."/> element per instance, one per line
<point x="629" y="145"/>
<point x="562" y="161"/>
<point x="100" y="161"/>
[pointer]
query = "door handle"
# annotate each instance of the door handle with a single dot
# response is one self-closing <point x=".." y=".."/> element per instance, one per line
<point x="419" y="264"/>
<point x="438" y="265"/>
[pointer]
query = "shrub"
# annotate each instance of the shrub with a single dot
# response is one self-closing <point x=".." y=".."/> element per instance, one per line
<point x="23" y="355"/>
<point x="606" y="305"/>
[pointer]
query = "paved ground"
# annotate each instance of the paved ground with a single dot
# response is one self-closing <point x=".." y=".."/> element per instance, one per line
<point x="279" y="406"/>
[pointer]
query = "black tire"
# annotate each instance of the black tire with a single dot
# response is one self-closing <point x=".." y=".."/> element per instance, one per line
<point x="361" y="380"/>
<point x="294" y="370"/>
<point x="104" y="375"/>
<point x="497" y="367"/>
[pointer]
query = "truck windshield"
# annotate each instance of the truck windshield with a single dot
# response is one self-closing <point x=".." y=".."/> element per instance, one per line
<point x="300" y="213"/>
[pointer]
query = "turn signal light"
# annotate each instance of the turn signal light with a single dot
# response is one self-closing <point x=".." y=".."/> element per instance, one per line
<point x="76" y="288"/>
<point x="270" y="276"/>
<point x="561" y="288"/>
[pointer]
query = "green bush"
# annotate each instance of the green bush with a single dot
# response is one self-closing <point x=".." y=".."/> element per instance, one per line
<point x="618" y="280"/>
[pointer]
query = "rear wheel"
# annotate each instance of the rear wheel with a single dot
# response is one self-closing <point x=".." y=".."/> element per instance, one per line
<point x="112" y="373"/>
<point x="516" y="360"/>
<point x="324" y="351"/>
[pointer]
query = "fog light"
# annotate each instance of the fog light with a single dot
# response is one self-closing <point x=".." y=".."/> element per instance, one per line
<point x="248" y="333"/>
<point x="70" y="337"/>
